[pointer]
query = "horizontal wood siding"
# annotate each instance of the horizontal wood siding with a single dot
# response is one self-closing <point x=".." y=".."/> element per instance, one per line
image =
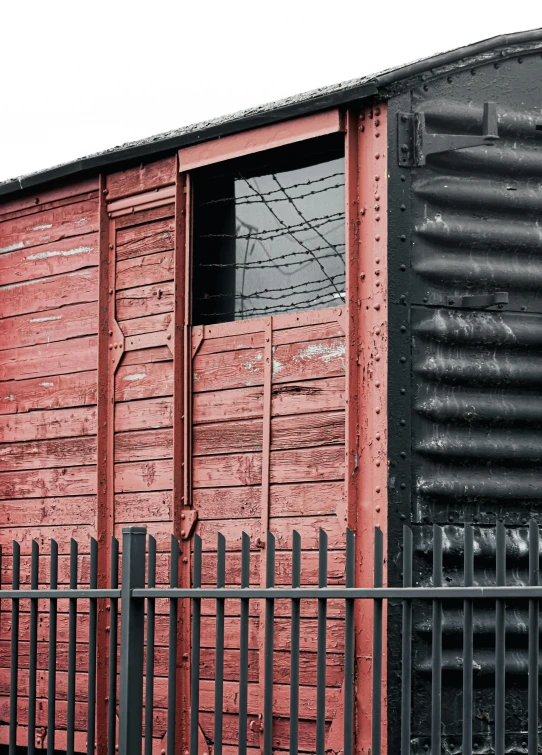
<point x="48" y="417"/>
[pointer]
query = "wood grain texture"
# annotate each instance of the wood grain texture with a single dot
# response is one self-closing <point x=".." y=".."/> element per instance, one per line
<point x="62" y="256"/>
<point x="154" y="413"/>
<point x="54" y="392"/>
<point x="143" y="445"/>
<point x="139" y="381"/>
<point x="44" y="512"/>
<point x="57" y="358"/>
<point x="151" y="268"/>
<point x="150" y="238"/>
<point x="143" y="476"/>
<point x="142" y="178"/>
<point x="42" y="294"/>
<point x="59" y="324"/>
<point x="54" y="423"/>
<point x="44" y="454"/>
<point x="45" y="483"/>
<point x="141" y="325"/>
<point x="144" y="301"/>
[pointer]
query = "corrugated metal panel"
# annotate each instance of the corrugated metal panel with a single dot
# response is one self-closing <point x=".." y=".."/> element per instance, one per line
<point x="469" y="422"/>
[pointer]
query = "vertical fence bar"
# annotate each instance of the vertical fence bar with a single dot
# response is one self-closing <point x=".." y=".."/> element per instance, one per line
<point x="172" y="651"/>
<point x="376" y="721"/>
<point x="72" y="647"/>
<point x="349" y="646"/>
<point x="268" y="648"/>
<point x="500" y="648"/>
<point x="219" y="643"/>
<point x="534" y="556"/>
<point x="196" y="651"/>
<point x="51" y="666"/>
<point x="406" y="652"/>
<point x="32" y="668"/>
<point x="294" y="645"/>
<point x="132" y="641"/>
<point x="113" y="634"/>
<point x="14" y="649"/>
<point x="149" y="668"/>
<point x="243" y="644"/>
<point x="468" y="641"/>
<point x="321" y="648"/>
<point x="436" y="681"/>
<point x="92" y="620"/>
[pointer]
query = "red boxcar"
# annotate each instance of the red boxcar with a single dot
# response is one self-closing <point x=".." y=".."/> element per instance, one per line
<point x="194" y="337"/>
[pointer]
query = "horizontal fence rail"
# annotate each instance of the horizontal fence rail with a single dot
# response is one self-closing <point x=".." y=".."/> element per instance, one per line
<point x="134" y="601"/>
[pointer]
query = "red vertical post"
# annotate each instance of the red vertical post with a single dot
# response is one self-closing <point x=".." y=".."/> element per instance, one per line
<point x="366" y="418"/>
<point x="179" y="336"/>
<point x="104" y="502"/>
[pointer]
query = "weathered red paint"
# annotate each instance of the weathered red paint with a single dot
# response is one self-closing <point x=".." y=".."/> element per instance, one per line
<point x="257" y="140"/>
<point x="366" y="452"/>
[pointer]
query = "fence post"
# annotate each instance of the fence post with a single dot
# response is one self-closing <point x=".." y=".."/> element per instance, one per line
<point x="131" y="641"/>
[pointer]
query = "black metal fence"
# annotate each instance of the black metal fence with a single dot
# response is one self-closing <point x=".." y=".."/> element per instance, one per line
<point x="138" y="594"/>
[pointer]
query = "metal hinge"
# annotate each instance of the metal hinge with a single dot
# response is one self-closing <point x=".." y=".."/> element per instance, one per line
<point x="415" y="142"/>
<point x="479" y="301"/>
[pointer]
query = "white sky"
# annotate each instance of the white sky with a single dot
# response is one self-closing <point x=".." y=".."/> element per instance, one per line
<point x="79" y="77"/>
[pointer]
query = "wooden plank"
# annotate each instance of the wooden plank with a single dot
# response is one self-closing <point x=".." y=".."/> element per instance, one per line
<point x="144" y="301"/>
<point x="142" y="445"/>
<point x="139" y="381"/>
<point x="297" y="465"/>
<point x="55" y="423"/>
<point x="63" y="357"/>
<point x="285" y="500"/>
<point x="145" y="216"/>
<point x="60" y="324"/>
<point x="141" y="325"/>
<point x="44" y="454"/>
<point x="307" y="526"/>
<point x="61" y="256"/>
<point x="147" y="356"/>
<point x="59" y="391"/>
<point x="258" y="139"/>
<point x="79" y="739"/>
<point x="76" y="219"/>
<point x="46" y="483"/>
<point x="41" y="713"/>
<point x="150" y="238"/>
<point x="233" y="342"/>
<point x="281" y="733"/>
<point x="304" y="361"/>
<point x="61" y="533"/>
<point x="151" y="268"/>
<point x="142" y="178"/>
<point x="237" y="403"/>
<point x="154" y="413"/>
<point x="138" y="507"/>
<point x="45" y="512"/>
<point x="42" y="294"/>
<point x="234" y="369"/>
<point x="143" y="476"/>
<point x="33" y="203"/>
<point x="286" y="432"/>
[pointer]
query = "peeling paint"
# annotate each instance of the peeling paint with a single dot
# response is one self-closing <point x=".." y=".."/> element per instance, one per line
<point x="335" y="350"/>
<point x="46" y="385"/>
<point x="136" y="376"/>
<point x="9" y="398"/>
<point x="12" y="247"/>
<point x="42" y="227"/>
<point x="46" y="319"/>
<point x="57" y="253"/>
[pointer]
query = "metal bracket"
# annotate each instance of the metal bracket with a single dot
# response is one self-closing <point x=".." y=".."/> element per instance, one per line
<point x="483" y="301"/>
<point x="415" y="143"/>
<point x="116" y="344"/>
<point x="189" y="517"/>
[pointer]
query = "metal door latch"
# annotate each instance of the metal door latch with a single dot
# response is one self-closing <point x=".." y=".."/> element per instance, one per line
<point x="415" y="142"/>
<point x="483" y="301"/>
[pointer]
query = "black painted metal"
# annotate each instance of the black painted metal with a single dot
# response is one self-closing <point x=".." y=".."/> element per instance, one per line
<point x="113" y="638"/>
<point x="132" y="632"/>
<point x="219" y="643"/>
<point x="51" y="681"/>
<point x="268" y="647"/>
<point x="465" y="417"/>
<point x="321" y="648"/>
<point x="243" y="644"/>
<point x="92" y="627"/>
<point x="14" y="651"/>
<point x="32" y="666"/>
<point x="172" y="647"/>
<point x="196" y="651"/>
<point x="348" y="711"/>
<point x="376" y="744"/>
<point x="295" y="643"/>
<point x="149" y="666"/>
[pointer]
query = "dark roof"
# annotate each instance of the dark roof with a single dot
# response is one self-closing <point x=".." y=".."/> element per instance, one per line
<point x="382" y="85"/>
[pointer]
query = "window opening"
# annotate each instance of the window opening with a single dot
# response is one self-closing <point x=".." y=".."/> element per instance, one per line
<point x="269" y="233"/>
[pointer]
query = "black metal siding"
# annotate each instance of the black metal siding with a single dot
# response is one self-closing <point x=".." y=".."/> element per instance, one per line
<point x="465" y="403"/>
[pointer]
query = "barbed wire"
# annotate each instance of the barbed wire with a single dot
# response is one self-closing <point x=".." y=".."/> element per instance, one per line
<point x="262" y="294"/>
<point x="278" y="191"/>
<point x="305" y="304"/>
<point x="275" y="263"/>
<point x="286" y="231"/>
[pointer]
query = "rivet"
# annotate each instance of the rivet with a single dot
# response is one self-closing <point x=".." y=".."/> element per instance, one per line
<point x="378" y="490"/>
<point x="377" y="384"/>
<point x="404" y="118"/>
<point x="183" y="516"/>
<point x="377" y="283"/>
<point x="111" y="246"/>
<point x="377" y="358"/>
<point x="110" y="290"/>
<point x="377" y="111"/>
<point x="105" y="191"/>
<point x="402" y="237"/>
<point x="377" y="436"/>
<point x="377" y="156"/>
<point x="377" y="272"/>
<point x="378" y="463"/>
<point x="377" y="260"/>
<point x="377" y="509"/>
<point x="185" y="560"/>
<point x="110" y="332"/>
<point x="403" y="328"/>
<point x="377" y="218"/>
<point x="362" y="128"/>
<point x="377" y="134"/>
<point x="402" y="391"/>
<point x="110" y="346"/>
<point x="185" y="656"/>
<point x="377" y="331"/>
<point x="362" y="276"/>
<point x="403" y="517"/>
<point x="425" y="88"/>
<point x="377" y="306"/>
<point x="403" y="178"/>
<point x="377" y="178"/>
<point x="403" y="207"/>
<point x="377" y="123"/>
<point x="402" y="360"/>
<point x="377" y="198"/>
<point x="377" y="238"/>
<point x="403" y="455"/>
<point x="403" y="422"/>
<point x="168" y="337"/>
<point x="402" y="268"/>
<point x="377" y="410"/>
<point x="183" y="533"/>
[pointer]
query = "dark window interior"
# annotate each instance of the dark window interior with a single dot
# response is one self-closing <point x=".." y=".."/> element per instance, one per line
<point x="269" y="233"/>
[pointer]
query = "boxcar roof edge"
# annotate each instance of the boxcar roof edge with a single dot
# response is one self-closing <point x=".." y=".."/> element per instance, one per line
<point x="382" y="85"/>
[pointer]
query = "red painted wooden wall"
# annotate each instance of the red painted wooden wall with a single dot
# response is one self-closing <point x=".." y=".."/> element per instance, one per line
<point x="113" y="413"/>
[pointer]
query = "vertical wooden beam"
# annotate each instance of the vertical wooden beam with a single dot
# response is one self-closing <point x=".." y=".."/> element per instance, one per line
<point x="366" y="421"/>
<point x="104" y="510"/>
<point x="179" y="335"/>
